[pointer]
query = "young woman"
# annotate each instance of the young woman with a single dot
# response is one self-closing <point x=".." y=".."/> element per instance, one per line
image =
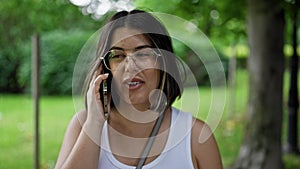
<point x="138" y="128"/>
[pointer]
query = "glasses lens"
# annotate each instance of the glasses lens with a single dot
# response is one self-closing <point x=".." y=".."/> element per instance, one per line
<point x="146" y="57"/>
<point x="143" y="58"/>
<point x="116" y="56"/>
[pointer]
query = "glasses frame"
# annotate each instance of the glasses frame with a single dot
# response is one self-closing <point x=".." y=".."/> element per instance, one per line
<point x="106" y="62"/>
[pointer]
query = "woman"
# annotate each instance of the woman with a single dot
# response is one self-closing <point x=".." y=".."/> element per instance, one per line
<point x="141" y="129"/>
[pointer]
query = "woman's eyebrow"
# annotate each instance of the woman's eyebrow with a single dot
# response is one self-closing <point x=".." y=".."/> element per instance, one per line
<point x="142" y="47"/>
<point x="136" y="48"/>
<point x="116" y="48"/>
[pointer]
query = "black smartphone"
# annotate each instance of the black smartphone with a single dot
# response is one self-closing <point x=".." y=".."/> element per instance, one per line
<point x="105" y="89"/>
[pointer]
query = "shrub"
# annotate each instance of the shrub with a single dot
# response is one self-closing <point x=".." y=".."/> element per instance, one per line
<point x="59" y="51"/>
<point x="11" y="59"/>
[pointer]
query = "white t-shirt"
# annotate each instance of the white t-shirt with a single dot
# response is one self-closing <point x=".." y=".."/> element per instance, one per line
<point x="176" y="154"/>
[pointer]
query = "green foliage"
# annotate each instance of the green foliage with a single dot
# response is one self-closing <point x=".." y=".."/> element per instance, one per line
<point x="291" y="6"/>
<point x="195" y="63"/>
<point x="11" y="59"/>
<point x="19" y="20"/>
<point x="59" y="51"/>
<point x="221" y="21"/>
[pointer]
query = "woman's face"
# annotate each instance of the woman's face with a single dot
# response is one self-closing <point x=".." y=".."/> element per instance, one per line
<point x="133" y="81"/>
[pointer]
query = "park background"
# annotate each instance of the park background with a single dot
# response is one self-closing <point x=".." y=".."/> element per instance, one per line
<point x="63" y="29"/>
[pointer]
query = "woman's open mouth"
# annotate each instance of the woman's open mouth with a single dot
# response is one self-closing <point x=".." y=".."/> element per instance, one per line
<point x="134" y="83"/>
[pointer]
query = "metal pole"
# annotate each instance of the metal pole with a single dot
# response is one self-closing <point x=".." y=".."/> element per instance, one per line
<point x="35" y="94"/>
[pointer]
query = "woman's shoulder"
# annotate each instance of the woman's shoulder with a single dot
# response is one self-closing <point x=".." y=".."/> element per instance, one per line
<point x="80" y="116"/>
<point x="77" y="120"/>
<point x="204" y="146"/>
<point x="197" y="124"/>
<point x="200" y="127"/>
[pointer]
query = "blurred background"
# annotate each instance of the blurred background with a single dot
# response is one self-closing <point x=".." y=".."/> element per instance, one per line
<point x="64" y="26"/>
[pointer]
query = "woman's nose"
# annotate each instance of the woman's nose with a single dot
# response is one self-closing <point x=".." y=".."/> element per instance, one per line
<point x="130" y="63"/>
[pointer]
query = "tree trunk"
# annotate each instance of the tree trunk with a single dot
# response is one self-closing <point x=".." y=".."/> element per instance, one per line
<point x="261" y="148"/>
<point x="293" y="101"/>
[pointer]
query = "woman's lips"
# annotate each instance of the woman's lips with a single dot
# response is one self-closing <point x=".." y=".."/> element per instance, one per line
<point x="134" y="83"/>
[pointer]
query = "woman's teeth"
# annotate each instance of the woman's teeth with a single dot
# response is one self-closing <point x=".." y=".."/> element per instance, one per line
<point x="133" y="83"/>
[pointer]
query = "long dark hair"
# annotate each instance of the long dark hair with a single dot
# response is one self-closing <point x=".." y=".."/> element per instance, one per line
<point x="153" y="29"/>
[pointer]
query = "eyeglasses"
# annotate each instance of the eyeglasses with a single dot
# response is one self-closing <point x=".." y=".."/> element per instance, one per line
<point x="143" y="58"/>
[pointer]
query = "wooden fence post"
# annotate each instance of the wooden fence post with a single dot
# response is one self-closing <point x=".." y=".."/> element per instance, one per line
<point x="35" y="78"/>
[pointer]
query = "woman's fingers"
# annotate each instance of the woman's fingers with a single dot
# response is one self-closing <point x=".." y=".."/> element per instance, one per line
<point x="93" y="94"/>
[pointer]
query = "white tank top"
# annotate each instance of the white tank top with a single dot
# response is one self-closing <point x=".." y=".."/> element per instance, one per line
<point x="176" y="154"/>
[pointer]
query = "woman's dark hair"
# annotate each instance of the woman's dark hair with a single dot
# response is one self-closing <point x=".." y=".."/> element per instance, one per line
<point x="157" y="34"/>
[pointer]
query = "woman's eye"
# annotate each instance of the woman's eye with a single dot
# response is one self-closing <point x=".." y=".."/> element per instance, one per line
<point x="115" y="56"/>
<point x="118" y="57"/>
<point x="142" y="54"/>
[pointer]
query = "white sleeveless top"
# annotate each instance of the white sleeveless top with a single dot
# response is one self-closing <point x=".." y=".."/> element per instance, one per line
<point x="176" y="154"/>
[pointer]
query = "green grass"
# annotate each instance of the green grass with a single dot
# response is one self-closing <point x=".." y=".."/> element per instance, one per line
<point x="17" y="130"/>
<point x="16" y="126"/>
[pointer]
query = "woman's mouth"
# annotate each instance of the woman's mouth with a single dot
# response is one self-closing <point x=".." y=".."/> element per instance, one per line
<point x="134" y="83"/>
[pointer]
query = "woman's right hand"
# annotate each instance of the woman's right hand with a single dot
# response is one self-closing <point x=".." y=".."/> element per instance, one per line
<point x="94" y="105"/>
<point x="95" y="114"/>
<point x="82" y="139"/>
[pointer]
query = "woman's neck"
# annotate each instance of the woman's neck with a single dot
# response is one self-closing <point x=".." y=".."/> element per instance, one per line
<point x="127" y="139"/>
<point x="134" y="123"/>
